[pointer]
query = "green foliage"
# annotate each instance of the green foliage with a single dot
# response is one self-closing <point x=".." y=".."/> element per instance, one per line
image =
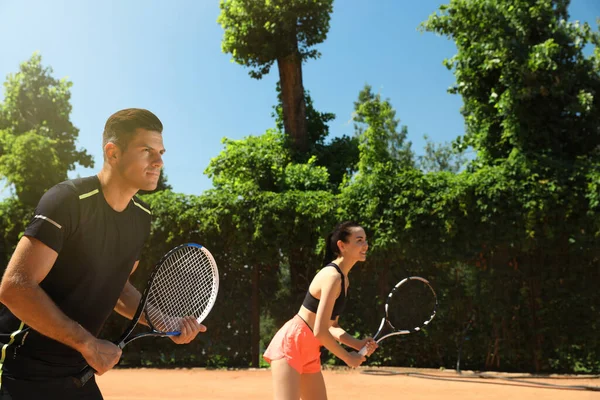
<point x="14" y="216"/>
<point x="528" y="93"/>
<point x="263" y="163"/>
<point x="494" y="240"/>
<point x="255" y="163"/>
<point x="524" y="78"/>
<point x="440" y="157"/>
<point x="316" y="122"/>
<point x="376" y="126"/>
<point x="37" y="139"/>
<point x="37" y="144"/>
<point x="339" y="155"/>
<point x="257" y="33"/>
<point x="30" y="162"/>
<point x="305" y="176"/>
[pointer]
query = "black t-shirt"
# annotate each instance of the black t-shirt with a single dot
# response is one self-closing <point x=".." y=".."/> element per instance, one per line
<point x="97" y="248"/>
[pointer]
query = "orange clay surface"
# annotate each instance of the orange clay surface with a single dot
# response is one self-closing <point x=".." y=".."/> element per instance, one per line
<point x="344" y="384"/>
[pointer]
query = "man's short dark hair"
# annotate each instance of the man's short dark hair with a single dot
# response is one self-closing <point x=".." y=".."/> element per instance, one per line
<point x="122" y="125"/>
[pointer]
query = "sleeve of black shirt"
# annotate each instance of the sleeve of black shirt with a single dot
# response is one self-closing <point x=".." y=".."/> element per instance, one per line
<point x="56" y="216"/>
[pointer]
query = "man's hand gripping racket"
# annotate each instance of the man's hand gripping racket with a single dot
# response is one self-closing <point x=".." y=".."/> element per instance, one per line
<point x="183" y="285"/>
<point x="410" y="306"/>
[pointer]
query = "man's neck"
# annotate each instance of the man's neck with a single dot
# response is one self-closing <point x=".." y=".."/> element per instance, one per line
<point x="116" y="192"/>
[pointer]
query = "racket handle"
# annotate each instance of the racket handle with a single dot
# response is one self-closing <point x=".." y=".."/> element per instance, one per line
<point x="363" y="351"/>
<point x="81" y="378"/>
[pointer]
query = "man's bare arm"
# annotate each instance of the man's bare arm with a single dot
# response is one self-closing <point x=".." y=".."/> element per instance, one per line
<point x="129" y="300"/>
<point x="20" y="291"/>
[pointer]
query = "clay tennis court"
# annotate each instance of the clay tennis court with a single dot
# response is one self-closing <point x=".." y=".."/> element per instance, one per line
<point x="382" y="384"/>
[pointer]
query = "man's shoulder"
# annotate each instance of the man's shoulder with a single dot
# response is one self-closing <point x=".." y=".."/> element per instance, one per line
<point x="79" y="187"/>
<point x="71" y="189"/>
<point x="83" y="187"/>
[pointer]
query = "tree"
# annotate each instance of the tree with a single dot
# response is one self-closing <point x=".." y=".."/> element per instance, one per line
<point x="251" y="164"/>
<point x="37" y="138"/>
<point x="339" y="155"/>
<point x="277" y="206"/>
<point x="532" y="113"/>
<point x="385" y="162"/>
<point x="377" y="128"/>
<point x="440" y="157"/>
<point x="526" y="83"/>
<point x="259" y="33"/>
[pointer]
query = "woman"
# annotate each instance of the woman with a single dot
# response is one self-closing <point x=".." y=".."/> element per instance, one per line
<point x="294" y="353"/>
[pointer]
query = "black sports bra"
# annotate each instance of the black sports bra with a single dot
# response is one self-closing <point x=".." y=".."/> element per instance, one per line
<point x="311" y="303"/>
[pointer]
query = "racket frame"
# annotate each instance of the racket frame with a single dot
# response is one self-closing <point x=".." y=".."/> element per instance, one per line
<point x="386" y="322"/>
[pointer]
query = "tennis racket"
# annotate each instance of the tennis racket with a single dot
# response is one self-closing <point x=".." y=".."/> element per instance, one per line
<point x="183" y="283"/>
<point x="410" y="306"/>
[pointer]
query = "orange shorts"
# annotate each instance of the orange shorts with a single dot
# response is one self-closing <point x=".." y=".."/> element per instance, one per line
<point x="296" y="343"/>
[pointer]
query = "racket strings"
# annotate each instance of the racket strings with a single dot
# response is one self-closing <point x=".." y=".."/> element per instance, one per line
<point x="184" y="285"/>
<point x="196" y="287"/>
<point x="411" y="306"/>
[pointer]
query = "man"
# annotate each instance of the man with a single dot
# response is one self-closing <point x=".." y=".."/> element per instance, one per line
<point x="72" y="267"/>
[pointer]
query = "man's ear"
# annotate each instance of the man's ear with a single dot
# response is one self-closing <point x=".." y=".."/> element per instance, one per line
<point x="111" y="152"/>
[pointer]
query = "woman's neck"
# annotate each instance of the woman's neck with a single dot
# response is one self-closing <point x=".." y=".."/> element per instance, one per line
<point x="344" y="264"/>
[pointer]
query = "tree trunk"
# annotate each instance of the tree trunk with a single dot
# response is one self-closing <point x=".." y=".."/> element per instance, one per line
<point x="255" y="339"/>
<point x="292" y="95"/>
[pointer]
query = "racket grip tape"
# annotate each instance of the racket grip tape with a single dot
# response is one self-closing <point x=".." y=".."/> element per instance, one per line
<point x="363" y="351"/>
<point x="84" y="376"/>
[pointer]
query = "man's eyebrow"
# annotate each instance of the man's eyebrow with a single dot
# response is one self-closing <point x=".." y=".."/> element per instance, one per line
<point x="144" y="145"/>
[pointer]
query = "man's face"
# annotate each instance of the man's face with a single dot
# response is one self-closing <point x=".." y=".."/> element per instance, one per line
<point x="141" y="162"/>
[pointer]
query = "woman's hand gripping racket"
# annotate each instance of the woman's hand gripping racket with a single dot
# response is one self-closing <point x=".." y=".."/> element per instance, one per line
<point x="410" y="306"/>
<point x="184" y="283"/>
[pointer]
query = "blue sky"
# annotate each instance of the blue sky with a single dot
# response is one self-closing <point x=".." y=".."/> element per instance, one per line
<point x="166" y="56"/>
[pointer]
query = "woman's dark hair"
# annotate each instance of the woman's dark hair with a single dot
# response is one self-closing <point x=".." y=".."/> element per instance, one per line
<point x="341" y="232"/>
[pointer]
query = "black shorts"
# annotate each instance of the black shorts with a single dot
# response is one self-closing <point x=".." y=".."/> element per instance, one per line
<point x="59" y="389"/>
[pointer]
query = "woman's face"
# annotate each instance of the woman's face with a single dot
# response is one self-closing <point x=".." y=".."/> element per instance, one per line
<point x="356" y="245"/>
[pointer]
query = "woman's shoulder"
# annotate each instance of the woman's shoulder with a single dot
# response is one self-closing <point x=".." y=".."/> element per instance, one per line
<point x="327" y="274"/>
